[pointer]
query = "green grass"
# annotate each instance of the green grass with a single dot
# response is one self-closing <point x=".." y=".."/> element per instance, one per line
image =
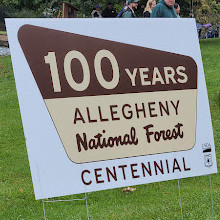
<point x="151" y="201"/>
<point x="3" y="32"/>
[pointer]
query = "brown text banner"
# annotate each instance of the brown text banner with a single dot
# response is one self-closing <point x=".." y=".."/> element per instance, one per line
<point x="72" y="65"/>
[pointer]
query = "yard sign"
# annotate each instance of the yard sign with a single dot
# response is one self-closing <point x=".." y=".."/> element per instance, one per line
<point x="108" y="104"/>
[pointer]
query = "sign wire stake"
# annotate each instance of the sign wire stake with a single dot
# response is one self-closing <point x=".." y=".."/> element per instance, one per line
<point x="87" y="206"/>
<point x="180" y="200"/>
<point x="63" y="200"/>
<point x="44" y="210"/>
<point x="213" y="217"/>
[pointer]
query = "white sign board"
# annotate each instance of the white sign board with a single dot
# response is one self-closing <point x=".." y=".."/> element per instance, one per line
<point x="108" y="104"/>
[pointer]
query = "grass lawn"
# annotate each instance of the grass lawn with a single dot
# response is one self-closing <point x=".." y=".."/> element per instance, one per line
<point x="3" y="32"/>
<point x="151" y="201"/>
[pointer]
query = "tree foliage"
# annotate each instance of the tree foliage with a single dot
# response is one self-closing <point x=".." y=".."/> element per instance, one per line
<point x="22" y="8"/>
<point x="85" y="6"/>
<point x="23" y="4"/>
<point x="208" y="12"/>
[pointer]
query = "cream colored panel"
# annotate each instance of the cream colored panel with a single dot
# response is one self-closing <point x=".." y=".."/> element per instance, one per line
<point x="71" y="118"/>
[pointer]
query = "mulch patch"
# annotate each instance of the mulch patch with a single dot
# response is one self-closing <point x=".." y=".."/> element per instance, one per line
<point x="3" y="37"/>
